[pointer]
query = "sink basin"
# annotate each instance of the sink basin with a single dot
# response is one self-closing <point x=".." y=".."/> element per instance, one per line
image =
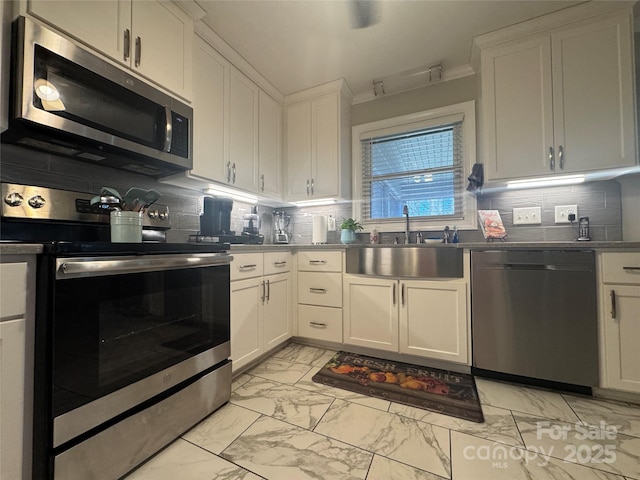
<point x="411" y="262"/>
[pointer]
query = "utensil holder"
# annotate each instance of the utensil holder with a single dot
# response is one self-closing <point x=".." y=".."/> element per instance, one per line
<point x="126" y="226"/>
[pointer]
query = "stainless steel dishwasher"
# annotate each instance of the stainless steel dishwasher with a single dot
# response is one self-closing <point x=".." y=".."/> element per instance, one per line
<point x="534" y="315"/>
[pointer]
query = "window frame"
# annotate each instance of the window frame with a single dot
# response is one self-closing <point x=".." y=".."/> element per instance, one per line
<point x="413" y="122"/>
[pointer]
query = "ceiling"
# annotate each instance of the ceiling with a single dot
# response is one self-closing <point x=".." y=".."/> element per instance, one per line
<point x="297" y="44"/>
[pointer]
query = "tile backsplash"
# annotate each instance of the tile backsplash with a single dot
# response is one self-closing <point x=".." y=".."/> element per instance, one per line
<point x="600" y="201"/>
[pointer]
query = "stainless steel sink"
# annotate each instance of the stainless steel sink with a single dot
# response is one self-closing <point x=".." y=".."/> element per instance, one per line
<point x="411" y="262"/>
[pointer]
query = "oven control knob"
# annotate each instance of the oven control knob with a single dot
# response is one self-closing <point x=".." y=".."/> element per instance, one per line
<point x="37" y="201"/>
<point x="13" y="199"/>
<point x="164" y="215"/>
<point x="153" y="214"/>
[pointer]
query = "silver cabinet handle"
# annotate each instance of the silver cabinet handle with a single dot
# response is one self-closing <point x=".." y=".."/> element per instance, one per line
<point x="168" y="128"/>
<point x="127" y="44"/>
<point x="268" y="290"/>
<point x="233" y="176"/>
<point x="313" y="184"/>
<point x="228" y="172"/>
<point x="263" y="295"/>
<point x="317" y="262"/>
<point x="552" y="159"/>
<point x="318" y="324"/>
<point x="308" y="186"/>
<point x="247" y="267"/>
<point x="394" y="293"/>
<point x="280" y="263"/>
<point x="317" y="290"/>
<point x="262" y="186"/>
<point x="402" y="294"/>
<point x="613" y="303"/>
<point x="138" y="56"/>
<point x="561" y="157"/>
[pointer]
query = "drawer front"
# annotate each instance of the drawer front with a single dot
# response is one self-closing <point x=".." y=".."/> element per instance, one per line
<point x="621" y="268"/>
<point x="320" y="261"/>
<point x="321" y="323"/>
<point x="13" y="291"/>
<point x="324" y="289"/>
<point x="277" y="262"/>
<point x="246" y="265"/>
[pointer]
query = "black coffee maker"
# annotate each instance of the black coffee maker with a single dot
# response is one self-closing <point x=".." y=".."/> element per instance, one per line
<point x="216" y="217"/>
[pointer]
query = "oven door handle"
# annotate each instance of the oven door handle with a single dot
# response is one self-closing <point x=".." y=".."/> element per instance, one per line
<point x="67" y="268"/>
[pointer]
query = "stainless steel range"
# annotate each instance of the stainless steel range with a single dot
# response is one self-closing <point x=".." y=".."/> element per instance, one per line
<point x="132" y="340"/>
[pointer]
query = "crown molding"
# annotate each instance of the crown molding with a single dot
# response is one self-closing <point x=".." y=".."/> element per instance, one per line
<point x="339" y="85"/>
<point x="544" y="23"/>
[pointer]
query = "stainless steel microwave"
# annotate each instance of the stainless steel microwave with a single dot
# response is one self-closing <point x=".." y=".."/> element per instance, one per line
<point x="66" y="100"/>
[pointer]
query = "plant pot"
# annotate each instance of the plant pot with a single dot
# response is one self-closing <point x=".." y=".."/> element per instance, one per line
<point x="347" y="236"/>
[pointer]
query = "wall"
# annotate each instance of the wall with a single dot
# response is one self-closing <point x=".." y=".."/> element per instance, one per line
<point x="426" y="98"/>
<point x="31" y="167"/>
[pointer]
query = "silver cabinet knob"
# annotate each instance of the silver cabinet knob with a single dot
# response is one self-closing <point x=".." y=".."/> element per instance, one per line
<point x="13" y="199"/>
<point x="37" y="201"/>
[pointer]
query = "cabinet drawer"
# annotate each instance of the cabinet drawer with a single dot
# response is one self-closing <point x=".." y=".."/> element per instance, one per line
<point x="621" y="268"/>
<point x="277" y="262"/>
<point x="323" y="289"/>
<point x="320" y="261"/>
<point x="321" y="323"/>
<point x="246" y="265"/>
<point x="13" y="279"/>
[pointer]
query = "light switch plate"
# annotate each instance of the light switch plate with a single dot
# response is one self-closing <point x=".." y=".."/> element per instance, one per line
<point x="527" y="216"/>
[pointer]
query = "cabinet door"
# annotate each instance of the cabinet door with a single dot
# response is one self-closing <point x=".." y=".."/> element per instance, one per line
<point x="246" y="321"/>
<point x="622" y="334"/>
<point x="277" y="310"/>
<point x="165" y="35"/>
<point x="325" y="146"/>
<point x="210" y="82"/>
<point x="517" y="103"/>
<point x="243" y="130"/>
<point x="433" y="319"/>
<point x="370" y="312"/>
<point x="100" y="25"/>
<point x="269" y="143"/>
<point x="593" y="96"/>
<point x="299" y="151"/>
<point x="12" y="397"/>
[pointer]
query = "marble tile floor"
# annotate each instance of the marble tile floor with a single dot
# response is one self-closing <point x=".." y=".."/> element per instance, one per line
<point x="280" y="425"/>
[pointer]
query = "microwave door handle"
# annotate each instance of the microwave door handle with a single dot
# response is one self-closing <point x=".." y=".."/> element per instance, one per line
<point x="168" y="129"/>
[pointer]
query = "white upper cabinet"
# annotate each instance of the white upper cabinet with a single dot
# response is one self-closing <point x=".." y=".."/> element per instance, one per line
<point x="210" y="82"/>
<point x="269" y="146"/>
<point x="243" y="130"/>
<point x="318" y="132"/>
<point x="560" y="101"/>
<point x="153" y="38"/>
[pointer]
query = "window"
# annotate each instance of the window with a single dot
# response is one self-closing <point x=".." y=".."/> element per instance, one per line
<point x="420" y="160"/>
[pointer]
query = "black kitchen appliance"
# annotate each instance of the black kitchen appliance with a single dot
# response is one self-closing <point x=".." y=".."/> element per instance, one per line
<point x="132" y="340"/>
<point x="67" y="101"/>
<point x="215" y="224"/>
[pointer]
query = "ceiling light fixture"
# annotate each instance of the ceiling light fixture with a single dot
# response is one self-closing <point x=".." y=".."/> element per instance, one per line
<point x="546" y="182"/>
<point x="378" y="87"/>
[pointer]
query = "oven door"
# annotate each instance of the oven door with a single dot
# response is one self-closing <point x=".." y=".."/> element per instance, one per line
<point x="125" y="329"/>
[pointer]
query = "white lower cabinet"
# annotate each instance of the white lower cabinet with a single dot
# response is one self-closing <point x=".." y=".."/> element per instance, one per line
<point x="16" y="365"/>
<point x="260" y="304"/>
<point x="427" y="318"/>
<point x="320" y="294"/>
<point x="620" y="320"/>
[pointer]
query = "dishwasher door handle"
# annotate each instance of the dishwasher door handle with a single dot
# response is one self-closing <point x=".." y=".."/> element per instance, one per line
<point x="535" y="266"/>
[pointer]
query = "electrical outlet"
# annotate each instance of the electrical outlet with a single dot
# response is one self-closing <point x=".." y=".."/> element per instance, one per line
<point x="563" y="211"/>
<point x="526" y="216"/>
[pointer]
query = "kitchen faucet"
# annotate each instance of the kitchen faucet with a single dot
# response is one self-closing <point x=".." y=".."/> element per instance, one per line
<point x="407" y="232"/>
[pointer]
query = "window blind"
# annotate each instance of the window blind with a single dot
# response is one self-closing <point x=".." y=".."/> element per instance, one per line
<point x="422" y="169"/>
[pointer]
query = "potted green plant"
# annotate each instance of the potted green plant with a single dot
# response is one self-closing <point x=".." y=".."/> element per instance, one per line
<point x="349" y="227"/>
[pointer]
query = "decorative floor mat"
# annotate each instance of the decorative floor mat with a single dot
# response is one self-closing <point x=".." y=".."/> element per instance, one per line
<point x="441" y="391"/>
